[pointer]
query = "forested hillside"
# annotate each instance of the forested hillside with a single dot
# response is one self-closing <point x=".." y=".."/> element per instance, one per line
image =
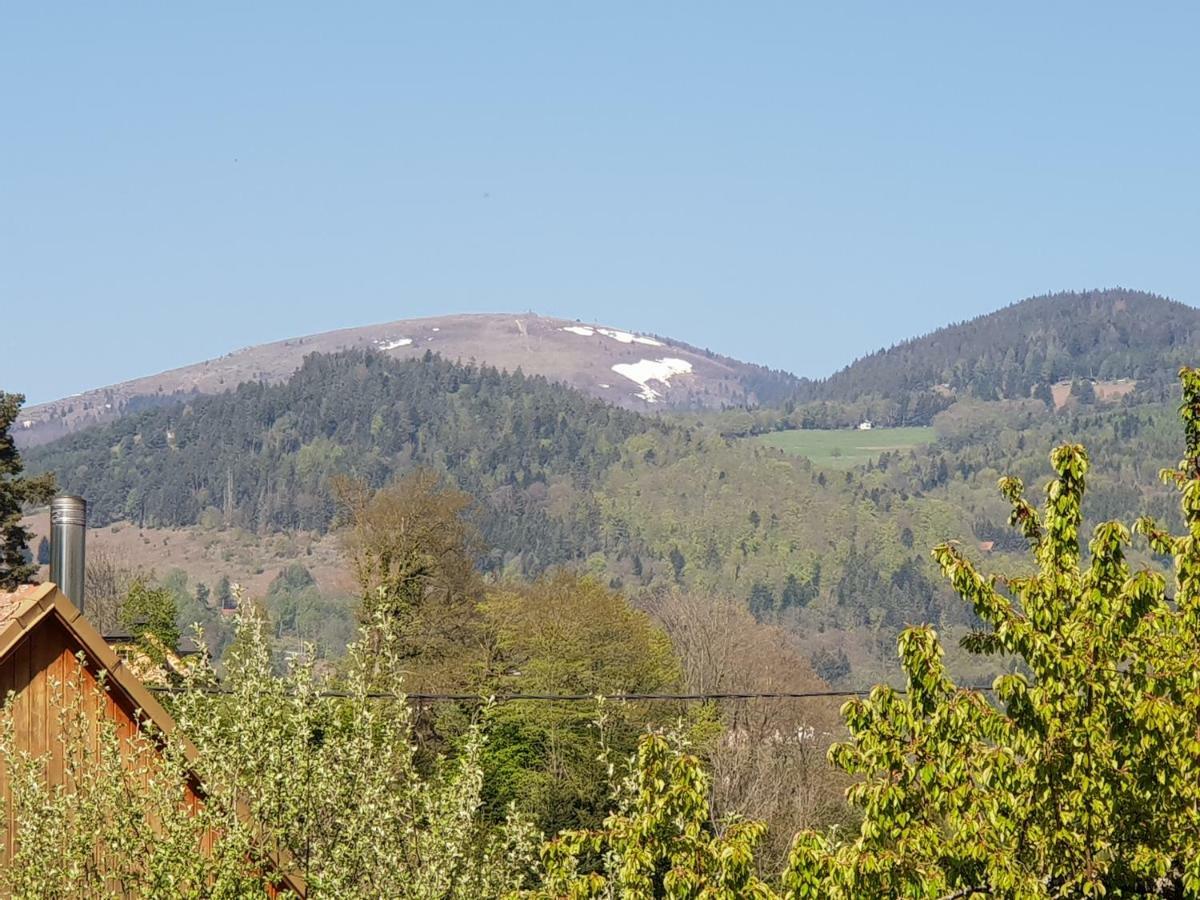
<point x="262" y="456"/>
<point x="556" y="478"/>
<point x="649" y="505"/>
<point x="1010" y="353"/>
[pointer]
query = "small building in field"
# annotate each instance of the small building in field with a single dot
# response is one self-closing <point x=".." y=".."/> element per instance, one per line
<point x="865" y="425"/>
<point x="42" y="637"/>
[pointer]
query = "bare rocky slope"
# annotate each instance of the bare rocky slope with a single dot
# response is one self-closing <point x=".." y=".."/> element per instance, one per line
<point x="637" y="371"/>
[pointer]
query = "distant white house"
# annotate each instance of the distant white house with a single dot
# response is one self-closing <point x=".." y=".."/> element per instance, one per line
<point x="864" y="425"/>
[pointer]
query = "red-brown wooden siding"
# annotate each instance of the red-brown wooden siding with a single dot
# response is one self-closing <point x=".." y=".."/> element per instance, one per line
<point x="47" y="654"/>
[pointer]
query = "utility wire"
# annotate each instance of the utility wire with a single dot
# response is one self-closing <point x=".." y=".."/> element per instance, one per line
<point x="581" y="698"/>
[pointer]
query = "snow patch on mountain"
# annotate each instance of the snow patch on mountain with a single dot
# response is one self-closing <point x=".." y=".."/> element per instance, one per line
<point x="624" y="337"/>
<point x="644" y="371"/>
<point x="392" y="345"/>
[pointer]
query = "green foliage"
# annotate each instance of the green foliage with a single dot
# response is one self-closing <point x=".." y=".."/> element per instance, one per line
<point x="413" y="551"/>
<point x="334" y="780"/>
<point x="659" y="841"/>
<point x="303" y="619"/>
<point x="224" y="594"/>
<point x="1083" y="780"/>
<point x="16" y="492"/>
<point x="566" y="634"/>
<point x="119" y="823"/>
<point x="154" y="611"/>
<point x="1083" y="391"/>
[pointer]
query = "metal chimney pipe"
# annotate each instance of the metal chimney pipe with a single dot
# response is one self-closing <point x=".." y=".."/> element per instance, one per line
<point x="68" y="520"/>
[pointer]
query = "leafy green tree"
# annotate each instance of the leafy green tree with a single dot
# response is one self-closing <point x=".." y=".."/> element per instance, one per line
<point x="677" y="563"/>
<point x="225" y="599"/>
<point x="566" y="634"/>
<point x="413" y="552"/>
<point x="151" y="610"/>
<point x="658" y="842"/>
<point x="304" y="620"/>
<point x="1084" y="779"/>
<point x="762" y="601"/>
<point x="335" y="780"/>
<point x="16" y="492"/>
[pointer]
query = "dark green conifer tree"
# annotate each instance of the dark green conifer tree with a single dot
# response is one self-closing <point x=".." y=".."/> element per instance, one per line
<point x="16" y="492"/>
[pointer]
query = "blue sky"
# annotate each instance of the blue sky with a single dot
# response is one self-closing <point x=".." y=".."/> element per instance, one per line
<point x="794" y="184"/>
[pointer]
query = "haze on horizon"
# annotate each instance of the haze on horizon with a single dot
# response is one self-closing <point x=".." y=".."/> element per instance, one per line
<point x="793" y="187"/>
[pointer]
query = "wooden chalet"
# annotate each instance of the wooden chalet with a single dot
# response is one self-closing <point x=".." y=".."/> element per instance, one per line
<point x="41" y="635"/>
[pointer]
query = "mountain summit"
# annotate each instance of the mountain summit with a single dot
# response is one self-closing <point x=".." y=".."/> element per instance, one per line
<point x="637" y="371"/>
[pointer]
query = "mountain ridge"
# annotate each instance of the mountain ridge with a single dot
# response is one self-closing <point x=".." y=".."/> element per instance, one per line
<point x="1008" y="353"/>
<point x="627" y="368"/>
<point x="1031" y="347"/>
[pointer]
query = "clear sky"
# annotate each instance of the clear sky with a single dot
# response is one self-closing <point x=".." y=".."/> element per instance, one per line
<point x="793" y="184"/>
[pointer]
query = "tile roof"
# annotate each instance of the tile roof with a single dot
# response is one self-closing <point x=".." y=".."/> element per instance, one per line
<point x="9" y="602"/>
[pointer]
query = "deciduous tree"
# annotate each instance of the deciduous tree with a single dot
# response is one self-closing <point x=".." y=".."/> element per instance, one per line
<point x="413" y="552"/>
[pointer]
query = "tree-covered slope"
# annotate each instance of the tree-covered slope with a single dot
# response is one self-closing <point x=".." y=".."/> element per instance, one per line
<point x="262" y="456"/>
<point x="557" y="476"/>
<point x="650" y="506"/>
<point x="1107" y="334"/>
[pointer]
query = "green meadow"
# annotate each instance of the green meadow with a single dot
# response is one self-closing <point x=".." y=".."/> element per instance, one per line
<point x="844" y="448"/>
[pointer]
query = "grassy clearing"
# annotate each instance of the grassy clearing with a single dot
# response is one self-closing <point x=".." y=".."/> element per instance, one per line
<point x="844" y="448"/>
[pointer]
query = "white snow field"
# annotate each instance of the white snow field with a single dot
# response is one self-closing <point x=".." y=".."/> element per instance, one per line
<point x="392" y="345"/>
<point x="644" y="371"/>
<point x="624" y="337"/>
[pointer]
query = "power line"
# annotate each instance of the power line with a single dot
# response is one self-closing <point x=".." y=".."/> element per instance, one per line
<point x="581" y="698"/>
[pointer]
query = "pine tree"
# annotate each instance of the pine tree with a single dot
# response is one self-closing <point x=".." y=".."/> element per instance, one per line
<point x="15" y="493"/>
<point x="225" y="594"/>
<point x="1083" y="391"/>
<point x="1043" y="392"/>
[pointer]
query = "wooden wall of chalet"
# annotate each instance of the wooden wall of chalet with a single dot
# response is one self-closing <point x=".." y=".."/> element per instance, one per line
<point x="45" y="655"/>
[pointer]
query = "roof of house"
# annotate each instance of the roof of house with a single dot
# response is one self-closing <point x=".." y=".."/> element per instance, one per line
<point x="23" y="609"/>
<point x="10" y="601"/>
